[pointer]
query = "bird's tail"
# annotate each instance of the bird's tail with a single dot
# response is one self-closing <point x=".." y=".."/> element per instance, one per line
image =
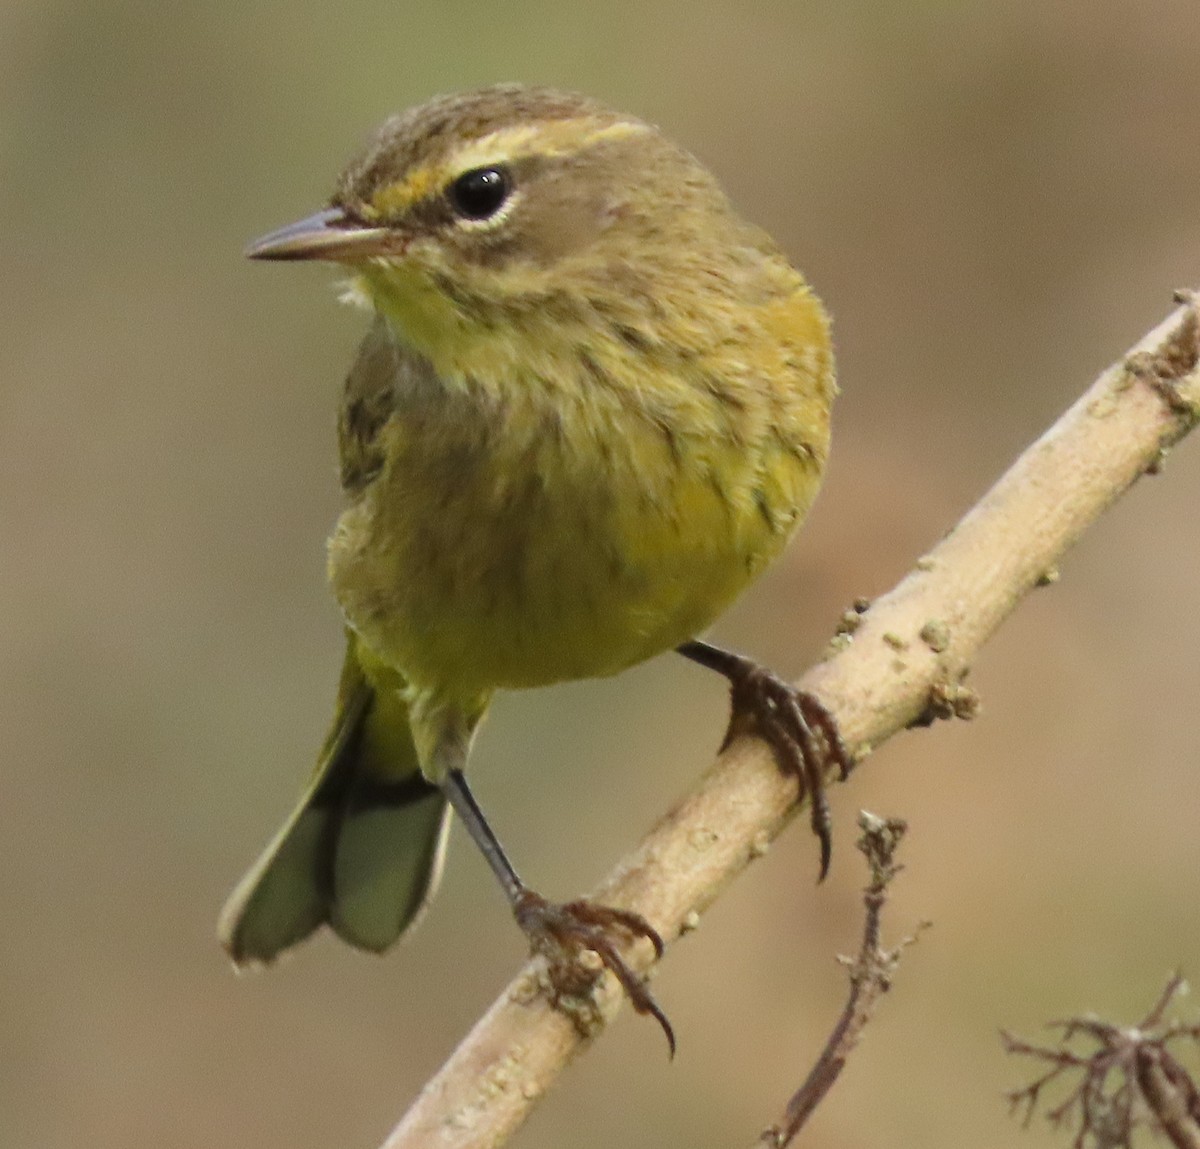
<point x="363" y="850"/>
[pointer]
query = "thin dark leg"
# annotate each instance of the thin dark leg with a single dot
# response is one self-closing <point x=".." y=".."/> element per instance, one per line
<point x="722" y="661"/>
<point x="459" y="794"/>
<point x="560" y="931"/>
<point x="797" y="726"/>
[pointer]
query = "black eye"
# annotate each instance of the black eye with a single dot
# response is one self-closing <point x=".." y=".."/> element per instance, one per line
<point x="480" y="193"/>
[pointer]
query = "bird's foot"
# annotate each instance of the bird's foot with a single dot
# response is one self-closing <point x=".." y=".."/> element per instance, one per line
<point x="796" y="725"/>
<point x="561" y="932"/>
<point x="801" y="732"/>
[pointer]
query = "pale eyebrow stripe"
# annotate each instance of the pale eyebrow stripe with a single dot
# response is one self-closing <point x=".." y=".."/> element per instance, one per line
<point x="505" y="146"/>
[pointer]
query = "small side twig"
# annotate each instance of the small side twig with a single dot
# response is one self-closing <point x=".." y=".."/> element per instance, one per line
<point x="870" y="977"/>
<point x="1129" y="1079"/>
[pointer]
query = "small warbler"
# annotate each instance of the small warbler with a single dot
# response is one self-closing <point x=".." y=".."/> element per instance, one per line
<point x="594" y="403"/>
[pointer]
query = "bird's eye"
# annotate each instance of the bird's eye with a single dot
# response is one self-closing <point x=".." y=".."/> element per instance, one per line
<point x="480" y="193"/>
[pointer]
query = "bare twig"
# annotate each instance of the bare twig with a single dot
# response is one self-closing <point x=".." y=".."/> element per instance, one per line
<point x="904" y="662"/>
<point x="1129" y="1076"/>
<point x="870" y="977"/>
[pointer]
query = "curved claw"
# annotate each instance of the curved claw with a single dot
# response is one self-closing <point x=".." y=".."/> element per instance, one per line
<point x="817" y="716"/>
<point x="782" y="723"/>
<point x="805" y="739"/>
<point x="576" y="926"/>
<point x="633" y="923"/>
<point x="796" y="725"/>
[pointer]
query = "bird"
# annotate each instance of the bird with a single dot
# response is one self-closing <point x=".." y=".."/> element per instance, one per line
<point x="592" y="405"/>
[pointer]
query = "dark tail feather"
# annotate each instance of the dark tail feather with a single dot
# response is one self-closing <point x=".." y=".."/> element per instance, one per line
<point x="363" y="849"/>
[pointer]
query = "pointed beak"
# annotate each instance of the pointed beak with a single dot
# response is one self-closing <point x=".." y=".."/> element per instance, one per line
<point x="327" y="235"/>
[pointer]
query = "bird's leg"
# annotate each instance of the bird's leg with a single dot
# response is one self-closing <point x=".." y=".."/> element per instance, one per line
<point x="561" y="931"/>
<point x="796" y="725"/>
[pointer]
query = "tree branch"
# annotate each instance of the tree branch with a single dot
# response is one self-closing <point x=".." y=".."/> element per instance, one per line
<point x="902" y="662"/>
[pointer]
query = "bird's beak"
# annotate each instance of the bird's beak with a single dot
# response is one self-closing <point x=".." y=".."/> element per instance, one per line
<point x="327" y="235"/>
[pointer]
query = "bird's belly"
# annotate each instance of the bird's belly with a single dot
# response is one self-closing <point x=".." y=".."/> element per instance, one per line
<point x="507" y="585"/>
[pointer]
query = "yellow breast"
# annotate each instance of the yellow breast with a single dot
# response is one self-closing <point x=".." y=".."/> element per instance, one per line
<point x="571" y="506"/>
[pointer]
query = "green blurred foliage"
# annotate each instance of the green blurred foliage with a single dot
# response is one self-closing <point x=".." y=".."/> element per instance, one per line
<point x="994" y="198"/>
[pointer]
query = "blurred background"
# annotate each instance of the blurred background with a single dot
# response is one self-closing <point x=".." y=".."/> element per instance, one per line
<point x="994" y="198"/>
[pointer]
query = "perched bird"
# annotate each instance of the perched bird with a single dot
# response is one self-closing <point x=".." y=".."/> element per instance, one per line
<point x="594" y="403"/>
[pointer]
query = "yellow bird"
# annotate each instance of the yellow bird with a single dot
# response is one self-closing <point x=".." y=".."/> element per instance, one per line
<point x="593" y="405"/>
